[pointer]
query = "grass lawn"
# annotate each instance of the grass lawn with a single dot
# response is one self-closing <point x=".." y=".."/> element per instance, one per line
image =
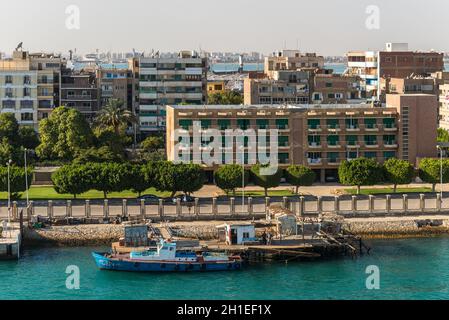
<point x="261" y="193"/>
<point x="49" y="193"/>
<point x="372" y="191"/>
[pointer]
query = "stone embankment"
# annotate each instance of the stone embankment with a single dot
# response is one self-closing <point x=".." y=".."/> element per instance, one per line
<point x="402" y="227"/>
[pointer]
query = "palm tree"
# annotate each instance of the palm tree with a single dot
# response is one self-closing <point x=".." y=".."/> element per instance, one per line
<point x="113" y="115"/>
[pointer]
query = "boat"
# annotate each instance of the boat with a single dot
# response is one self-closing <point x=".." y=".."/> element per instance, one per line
<point x="166" y="258"/>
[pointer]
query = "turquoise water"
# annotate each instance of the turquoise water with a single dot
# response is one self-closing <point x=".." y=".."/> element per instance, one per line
<point x="409" y="269"/>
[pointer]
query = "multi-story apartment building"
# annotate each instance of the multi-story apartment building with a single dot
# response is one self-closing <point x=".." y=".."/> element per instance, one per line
<point x="116" y="84"/>
<point x="444" y="106"/>
<point x="363" y="64"/>
<point x="18" y="88"/>
<point x="170" y="80"/>
<point x="292" y="60"/>
<point x="79" y="90"/>
<point x="334" y="88"/>
<point x="318" y="136"/>
<point x="30" y="85"/>
<point x="286" y="87"/>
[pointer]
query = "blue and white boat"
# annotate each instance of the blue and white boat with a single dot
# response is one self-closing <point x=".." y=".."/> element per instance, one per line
<point x="166" y="258"/>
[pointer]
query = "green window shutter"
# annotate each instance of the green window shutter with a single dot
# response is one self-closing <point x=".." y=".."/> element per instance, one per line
<point x="352" y="155"/>
<point x="243" y="123"/>
<point x="314" y="140"/>
<point x="185" y="124"/>
<point x="283" y="157"/>
<point x="389" y="122"/>
<point x="262" y="123"/>
<point x="332" y="140"/>
<point x="332" y="157"/>
<point x="313" y="123"/>
<point x="352" y="123"/>
<point x="370" y="140"/>
<point x="205" y="124"/>
<point x="389" y="139"/>
<point x="370" y="155"/>
<point x="351" y="140"/>
<point x="283" y="141"/>
<point x="389" y="154"/>
<point x="224" y="124"/>
<point x="281" y="123"/>
<point x="332" y="123"/>
<point x="370" y="123"/>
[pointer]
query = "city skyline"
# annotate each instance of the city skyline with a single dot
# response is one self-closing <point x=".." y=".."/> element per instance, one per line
<point x="239" y="27"/>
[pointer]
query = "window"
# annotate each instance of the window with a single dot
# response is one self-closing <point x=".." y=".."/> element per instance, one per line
<point x="8" y="93"/>
<point x="389" y="139"/>
<point x="313" y="123"/>
<point x="11" y="104"/>
<point x="389" y="123"/>
<point x="28" y="104"/>
<point x="370" y="123"/>
<point x="352" y="123"/>
<point x="26" y="116"/>
<point x="262" y="123"/>
<point x="224" y="124"/>
<point x="26" y="92"/>
<point x="243" y="123"/>
<point x="370" y="155"/>
<point x="389" y="155"/>
<point x="185" y="124"/>
<point x="370" y="140"/>
<point x="332" y="157"/>
<point x="314" y="141"/>
<point x="8" y="79"/>
<point x="283" y="157"/>
<point x="282" y="123"/>
<point x="283" y="141"/>
<point x="351" y="140"/>
<point x="332" y="123"/>
<point x="26" y="80"/>
<point x="333" y="140"/>
<point x="329" y="84"/>
<point x="205" y="124"/>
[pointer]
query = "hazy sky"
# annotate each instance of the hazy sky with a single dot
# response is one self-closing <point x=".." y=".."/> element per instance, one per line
<point x="329" y="27"/>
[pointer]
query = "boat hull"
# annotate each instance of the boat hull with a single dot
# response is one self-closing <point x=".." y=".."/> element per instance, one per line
<point x="114" y="264"/>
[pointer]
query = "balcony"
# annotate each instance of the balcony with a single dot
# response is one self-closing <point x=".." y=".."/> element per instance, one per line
<point x="314" y="162"/>
<point x="372" y="127"/>
<point x="371" y="145"/>
<point x="352" y="128"/>
<point x="390" y="145"/>
<point x="314" y="128"/>
<point x="390" y="128"/>
<point x="333" y="162"/>
<point x="333" y="128"/>
<point x="333" y="146"/>
<point x="315" y="145"/>
<point x="352" y="145"/>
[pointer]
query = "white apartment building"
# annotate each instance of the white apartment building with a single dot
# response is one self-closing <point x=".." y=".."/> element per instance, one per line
<point x="364" y="64"/>
<point x="169" y="81"/>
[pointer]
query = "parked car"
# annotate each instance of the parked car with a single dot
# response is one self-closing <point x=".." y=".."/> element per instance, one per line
<point x="149" y="198"/>
<point x="185" y="199"/>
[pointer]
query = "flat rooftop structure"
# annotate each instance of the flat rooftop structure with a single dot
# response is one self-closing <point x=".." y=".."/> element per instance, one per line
<point x="271" y="106"/>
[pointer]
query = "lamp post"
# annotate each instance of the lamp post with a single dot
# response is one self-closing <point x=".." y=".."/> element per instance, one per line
<point x="26" y="177"/>
<point x="9" y="190"/>
<point x="441" y="172"/>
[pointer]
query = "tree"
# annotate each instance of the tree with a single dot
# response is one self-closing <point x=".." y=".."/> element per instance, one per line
<point x="114" y="116"/>
<point x="72" y="179"/>
<point x="229" y="177"/>
<point x="28" y="138"/>
<point x="109" y="177"/>
<point x="430" y="171"/>
<point x="360" y="172"/>
<point x="398" y="172"/>
<point x="9" y="127"/>
<point x="138" y="182"/>
<point x="116" y="142"/>
<point x="17" y="180"/>
<point x="299" y="176"/>
<point x="227" y="97"/>
<point x="12" y="152"/>
<point x="265" y="181"/>
<point x="183" y="177"/>
<point x="443" y="135"/>
<point x="152" y="144"/>
<point x="98" y="155"/>
<point x="63" y="133"/>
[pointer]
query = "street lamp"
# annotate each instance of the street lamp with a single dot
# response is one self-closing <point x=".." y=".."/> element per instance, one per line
<point x="9" y="190"/>
<point x="26" y="176"/>
<point x="441" y="171"/>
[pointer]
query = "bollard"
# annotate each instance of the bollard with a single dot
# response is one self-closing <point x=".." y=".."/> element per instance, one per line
<point x="15" y="215"/>
<point x="214" y="207"/>
<point x="232" y="206"/>
<point x="404" y="203"/>
<point x="250" y="206"/>
<point x="319" y="204"/>
<point x="422" y="202"/>
<point x="439" y="202"/>
<point x="87" y="210"/>
<point x="302" y="206"/>
<point x="30" y="210"/>
<point x="285" y="203"/>
<point x="196" y="209"/>
<point x="337" y="204"/>
<point x="388" y="204"/>
<point x="143" y="211"/>
<point x="178" y="207"/>
<point x="125" y="208"/>
<point x="267" y="205"/>
<point x="106" y="209"/>
<point x="50" y="209"/>
<point x="371" y="203"/>
<point x="68" y="209"/>
<point x="354" y="204"/>
<point x="161" y="209"/>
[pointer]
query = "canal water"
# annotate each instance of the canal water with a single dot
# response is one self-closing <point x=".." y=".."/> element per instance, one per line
<point x="409" y="269"/>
